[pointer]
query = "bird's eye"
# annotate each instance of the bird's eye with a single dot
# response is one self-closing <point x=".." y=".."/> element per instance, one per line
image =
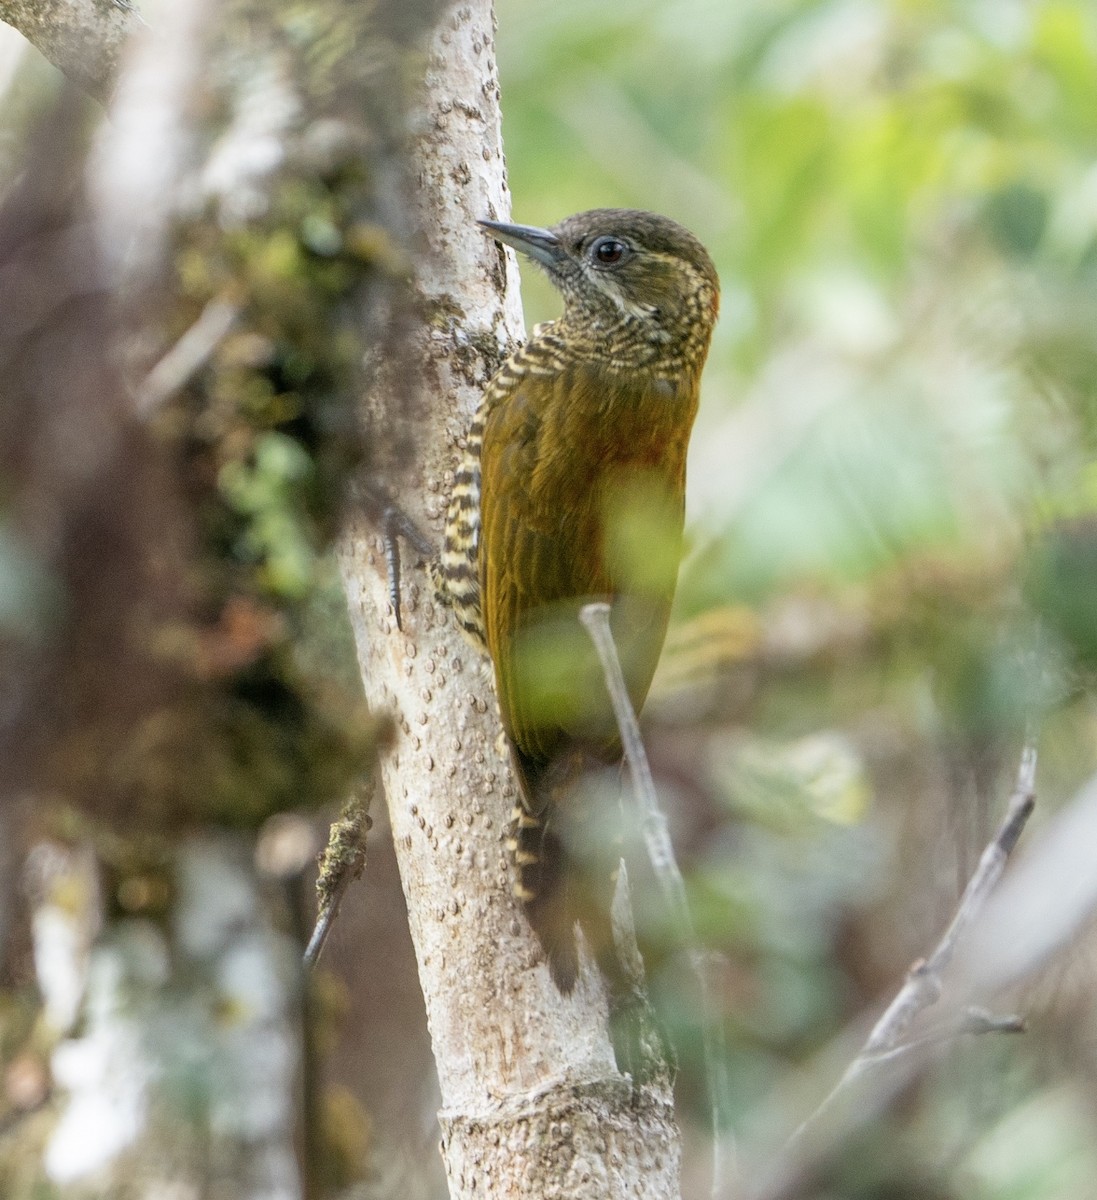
<point x="608" y="250"/>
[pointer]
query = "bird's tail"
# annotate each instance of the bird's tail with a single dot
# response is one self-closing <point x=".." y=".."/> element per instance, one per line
<point x="542" y="885"/>
<point x="558" y="887"/>
<point x="566" y="877"/>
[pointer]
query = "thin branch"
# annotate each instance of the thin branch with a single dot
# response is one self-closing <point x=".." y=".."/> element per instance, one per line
<point x="595" y="619"/>
<point x="972" y="1021"/>
<point x="189" y="354"/>
<point x="326" y="917"/>
<point x="924" y="986"/>
<point x="653" y="824"/>
<point x="284" y="852"/>
<point x="343" y="861"/>
<point x="1042" y="906"/>
<point x="82" y="38"/>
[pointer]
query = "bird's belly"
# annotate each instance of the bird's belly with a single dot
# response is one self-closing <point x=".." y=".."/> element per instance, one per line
<point x="584" y="498"/>
<point x="617" y="537"/>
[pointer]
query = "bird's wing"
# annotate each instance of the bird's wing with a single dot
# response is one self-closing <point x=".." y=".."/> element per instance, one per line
<point x="531" y="550"/>
<point x="551" y="453"/>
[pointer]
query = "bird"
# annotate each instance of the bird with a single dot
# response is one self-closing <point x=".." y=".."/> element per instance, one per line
<point x="571" y="489"/>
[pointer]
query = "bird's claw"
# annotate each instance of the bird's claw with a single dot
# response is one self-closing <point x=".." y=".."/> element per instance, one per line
<point x="395" y="525"/>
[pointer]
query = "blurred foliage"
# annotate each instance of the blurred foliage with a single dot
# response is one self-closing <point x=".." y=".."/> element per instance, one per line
<point x="169" y="603"/>
<point x="162" y="616"/>
<point x="892" y="510"/>
<point x="893" y="496"/>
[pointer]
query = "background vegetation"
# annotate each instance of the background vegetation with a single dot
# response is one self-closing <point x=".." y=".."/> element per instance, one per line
<point x="893" y="538"/>
<point x="892" y="500"/>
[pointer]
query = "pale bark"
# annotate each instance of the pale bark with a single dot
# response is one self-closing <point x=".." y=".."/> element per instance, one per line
<point x="209" y="1006"/>
<point x="82" y="38"/>
<point x="532" y="1102"/>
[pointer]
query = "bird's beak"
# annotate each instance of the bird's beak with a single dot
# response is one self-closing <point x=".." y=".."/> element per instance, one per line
<point x="540" y="244"/>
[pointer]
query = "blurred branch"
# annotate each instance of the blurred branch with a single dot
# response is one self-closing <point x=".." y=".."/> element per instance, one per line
<point x="852" y="1102"/>
<point x="925" y="980"/>
<point x="924" y="983"/>
<point x="971" y="1021"/>
<point x="653" y="823"/>
<point x="342" y="862"/>
<point x="188" y="355"/>
<point x="82" y="38"/>
<point x="284" y="853"/>
<point x="595" y="620"/>
<point x="1042" y="906"/>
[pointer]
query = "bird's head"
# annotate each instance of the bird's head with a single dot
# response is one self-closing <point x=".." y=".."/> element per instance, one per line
<point x="619" y="269"/>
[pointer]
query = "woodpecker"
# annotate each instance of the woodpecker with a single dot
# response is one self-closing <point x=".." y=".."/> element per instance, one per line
<point x="572" y="489"/>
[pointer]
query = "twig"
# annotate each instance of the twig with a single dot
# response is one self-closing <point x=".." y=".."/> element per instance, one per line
<point x="284" y="852"/>
<point x="189" y="354"/>
<point x="653" y="824"/>
<point x="343" y="860"/>
<point x="924" y="982"/>
<point x="972" y="1021"/>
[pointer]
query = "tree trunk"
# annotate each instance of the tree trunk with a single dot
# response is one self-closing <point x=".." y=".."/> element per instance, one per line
<point x="82" y="38"/>
<point x="207" y="1009"/>
<point x="533" y="1104"/>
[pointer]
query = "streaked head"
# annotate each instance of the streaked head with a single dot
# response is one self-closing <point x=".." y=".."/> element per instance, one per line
<point x="614" y="265"/>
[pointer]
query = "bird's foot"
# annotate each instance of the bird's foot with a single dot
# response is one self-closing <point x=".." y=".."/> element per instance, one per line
<point x="395" y="524"/>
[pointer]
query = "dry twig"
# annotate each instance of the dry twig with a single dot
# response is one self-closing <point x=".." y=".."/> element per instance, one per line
<point x="188" y="355"/>
<point x="924" y="982"/>
<point x="846" y="1106"/>
<point x="343" y="861"/>
<point x="653" y="824"/>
